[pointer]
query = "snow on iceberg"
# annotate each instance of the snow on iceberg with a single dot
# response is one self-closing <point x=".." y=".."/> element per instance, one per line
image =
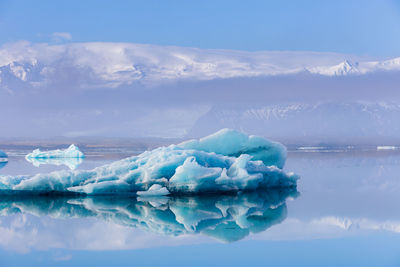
<point x="71" y="152"/>
<point x="227" y="161"/>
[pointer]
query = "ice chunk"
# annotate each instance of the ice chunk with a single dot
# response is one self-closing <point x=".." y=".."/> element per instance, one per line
<point x="3" y="156"/>
<point x="71" y="152"/>
<point x="154" y="190"/>
<point x="181" y="169"/>
<point x="386" y="148"/>
<point x="233" y="143"/>
<point x="3" y="159"/>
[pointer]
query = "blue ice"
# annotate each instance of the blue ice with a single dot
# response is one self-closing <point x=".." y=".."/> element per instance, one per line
<point x="3" y="155"/>
<point x="3" y="159"/>
<point x="71" y="152"/>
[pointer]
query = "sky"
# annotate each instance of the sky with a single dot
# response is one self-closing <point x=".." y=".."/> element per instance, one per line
<point x="346" y="26"/>
<point x="166" y="68"/>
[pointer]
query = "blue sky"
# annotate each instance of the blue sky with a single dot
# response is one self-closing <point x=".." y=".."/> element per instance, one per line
<point x="353" y="26"/>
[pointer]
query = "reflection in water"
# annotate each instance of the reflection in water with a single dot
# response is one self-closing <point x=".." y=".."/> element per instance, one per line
<point x="71" y="163"/>
<point x="3" y="164"/>
<point x="227" y="218"/>
<point x="349" y="224"/>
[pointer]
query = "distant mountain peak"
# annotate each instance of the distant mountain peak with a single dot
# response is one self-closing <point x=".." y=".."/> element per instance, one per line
<point x="344" y="68"/>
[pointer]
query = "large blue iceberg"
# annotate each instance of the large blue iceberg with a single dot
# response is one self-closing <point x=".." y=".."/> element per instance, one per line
<point x="227" y="161"/>
<point x="71" y="152"/>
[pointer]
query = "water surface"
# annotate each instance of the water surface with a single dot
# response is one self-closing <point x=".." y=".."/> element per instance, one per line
<point x="344" y="213"/>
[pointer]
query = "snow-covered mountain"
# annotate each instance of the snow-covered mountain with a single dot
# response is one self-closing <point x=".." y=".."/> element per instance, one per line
<point x="347" y="67"/>
<point x="115" y="64"/>
<point x="167" y="91"/>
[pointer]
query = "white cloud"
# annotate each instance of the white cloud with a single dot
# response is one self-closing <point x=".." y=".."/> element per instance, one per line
<point x="43" y="233"/>
<point x="115" y="64"/>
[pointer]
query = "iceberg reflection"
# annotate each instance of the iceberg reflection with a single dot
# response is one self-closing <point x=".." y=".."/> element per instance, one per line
<point x="227" y="218"/>
<point x="3" y="164"/>
<point x="71" y="163"/>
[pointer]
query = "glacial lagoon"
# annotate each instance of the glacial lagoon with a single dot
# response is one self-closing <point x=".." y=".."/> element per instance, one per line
<point x="343" y="212"/>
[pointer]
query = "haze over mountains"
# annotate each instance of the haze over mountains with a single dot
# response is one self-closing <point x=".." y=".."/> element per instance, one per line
<point x="345" y="122"/>
<point x="136" y="90"/>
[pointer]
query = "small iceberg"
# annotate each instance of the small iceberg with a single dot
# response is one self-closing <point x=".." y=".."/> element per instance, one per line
<point x="71" y="163"/>
<point x="227" y="161"/>
<point x="71" y="152"/>
<point x="3" y="159"/>
<point x="386" y="148"/>
<point x="311" y="148"/>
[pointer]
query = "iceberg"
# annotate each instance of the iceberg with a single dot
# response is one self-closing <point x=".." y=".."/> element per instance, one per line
<point x="386" y="148"/>
<point x="227" y="161"/>
<point x="227" y="218"/>
<point x="71" y="152"/>
<point x="3" y="156"/>
<point x="71" y="163"/>
<point x="3" y="159"/>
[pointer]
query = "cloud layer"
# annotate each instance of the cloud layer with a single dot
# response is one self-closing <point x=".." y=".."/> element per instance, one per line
<point x="115" y="64"/>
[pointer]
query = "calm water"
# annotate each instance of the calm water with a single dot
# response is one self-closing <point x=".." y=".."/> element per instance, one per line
<point x="346" y="212"/>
